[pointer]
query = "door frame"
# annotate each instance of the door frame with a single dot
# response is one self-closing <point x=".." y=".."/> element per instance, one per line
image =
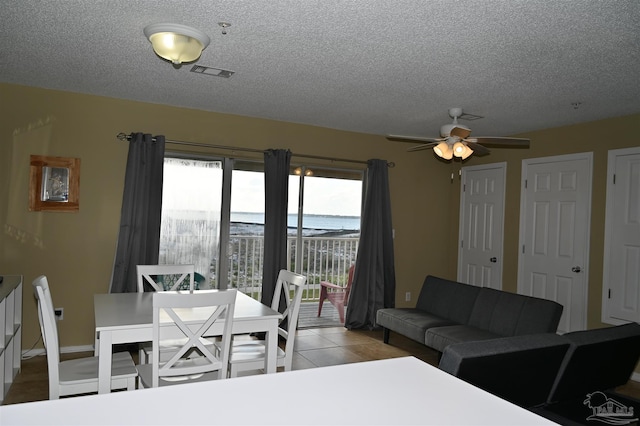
<point x="523" y="194"/>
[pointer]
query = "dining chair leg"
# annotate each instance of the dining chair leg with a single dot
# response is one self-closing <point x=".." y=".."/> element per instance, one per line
<point x="323" y="295"/>
<point x="233" y="372"/>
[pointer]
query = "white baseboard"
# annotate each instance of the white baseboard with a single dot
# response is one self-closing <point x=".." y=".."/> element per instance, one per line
<point x="635" y="377"/>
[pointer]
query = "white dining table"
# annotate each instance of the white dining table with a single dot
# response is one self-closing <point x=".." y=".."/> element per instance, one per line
<point x="128" y="318"/>
<point x="398" y="391"/>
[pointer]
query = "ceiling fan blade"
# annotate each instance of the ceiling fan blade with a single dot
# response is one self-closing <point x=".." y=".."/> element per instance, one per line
<point x="412" y="139"/>
<point x="478" y="149"/>
<point x="496" y="140"/>
<point x="460" y="132"/>
<point x="422" y="147"/>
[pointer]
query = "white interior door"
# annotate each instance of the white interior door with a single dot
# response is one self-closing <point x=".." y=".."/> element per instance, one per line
<point x="554" y="234"/>
<point x="482" y="225"/>
<point x="621" y="275"/>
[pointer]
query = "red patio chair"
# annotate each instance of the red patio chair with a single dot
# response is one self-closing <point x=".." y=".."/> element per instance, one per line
<point x="337" y="295"/>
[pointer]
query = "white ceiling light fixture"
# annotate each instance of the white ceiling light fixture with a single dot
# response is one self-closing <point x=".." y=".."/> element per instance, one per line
<point x="176" y="43"/>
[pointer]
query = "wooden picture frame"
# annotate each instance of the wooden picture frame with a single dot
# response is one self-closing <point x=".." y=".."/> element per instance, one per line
<point x="54" y="184"/>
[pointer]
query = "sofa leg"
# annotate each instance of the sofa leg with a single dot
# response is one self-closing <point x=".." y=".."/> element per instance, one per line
<point x="385" y="335"/>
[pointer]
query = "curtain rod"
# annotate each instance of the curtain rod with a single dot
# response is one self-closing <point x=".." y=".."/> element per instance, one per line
<point x="125" y="137"/>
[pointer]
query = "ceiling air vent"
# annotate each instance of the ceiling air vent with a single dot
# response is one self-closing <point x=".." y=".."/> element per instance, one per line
<point x="216" y="72"/>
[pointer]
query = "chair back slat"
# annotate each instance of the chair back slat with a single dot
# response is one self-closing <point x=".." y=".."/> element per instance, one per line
<point x="165" y="277"/>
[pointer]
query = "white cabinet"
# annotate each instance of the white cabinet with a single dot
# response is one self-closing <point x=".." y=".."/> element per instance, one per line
<point x="10" y="331"/>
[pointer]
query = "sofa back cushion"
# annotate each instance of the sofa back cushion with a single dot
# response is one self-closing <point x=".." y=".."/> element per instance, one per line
<point x="510" y="314"/>
<point x="447" y="299"/>
<point x="597" y="360"/>
<point x="538" y="316"/>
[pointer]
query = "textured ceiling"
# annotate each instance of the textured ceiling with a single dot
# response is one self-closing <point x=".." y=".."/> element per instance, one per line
<point x="380" y="67"/>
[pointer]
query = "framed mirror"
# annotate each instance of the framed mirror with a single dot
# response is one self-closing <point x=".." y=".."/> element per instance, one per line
<point x="54" y="184"/>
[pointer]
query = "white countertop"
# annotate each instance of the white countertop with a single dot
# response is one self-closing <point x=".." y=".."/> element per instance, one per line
<point x="387" y="392"/>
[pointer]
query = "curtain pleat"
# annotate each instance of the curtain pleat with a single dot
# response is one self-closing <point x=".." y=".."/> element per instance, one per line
<point x="140" y="217"/>
<point x="374" y="280"/>
<point x="276" y="187"/>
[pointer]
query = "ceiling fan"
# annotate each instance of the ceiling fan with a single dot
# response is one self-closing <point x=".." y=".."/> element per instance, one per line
<point x="454" y="140"/>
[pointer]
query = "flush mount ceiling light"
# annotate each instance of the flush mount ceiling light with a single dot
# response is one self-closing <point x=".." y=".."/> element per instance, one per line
<point x="176" y="43"/>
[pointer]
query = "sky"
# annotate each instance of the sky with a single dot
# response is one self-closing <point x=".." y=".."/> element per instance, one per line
<point x="198" y="187"/>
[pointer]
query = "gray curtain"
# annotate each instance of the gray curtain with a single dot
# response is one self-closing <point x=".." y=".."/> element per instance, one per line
<point x="140" y="217"/>
<point x="374" y="279"/>
<point x="276" y="189"/>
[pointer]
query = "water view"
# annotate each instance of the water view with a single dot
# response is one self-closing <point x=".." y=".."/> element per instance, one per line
<point x="243" y="223"/>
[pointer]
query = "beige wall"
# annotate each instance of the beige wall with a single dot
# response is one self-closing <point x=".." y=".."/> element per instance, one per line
<point x="75" y="250"/>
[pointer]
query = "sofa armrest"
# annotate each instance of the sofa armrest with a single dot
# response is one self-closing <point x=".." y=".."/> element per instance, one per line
<point x="331" y="285"/>
<point x="520" y="369"/>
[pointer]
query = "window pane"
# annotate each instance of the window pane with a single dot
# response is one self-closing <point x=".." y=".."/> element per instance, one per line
<point x="328" y="239"/>
<point x="191" y="200"/>
<point x="332" y="205"/>
<point x="246" y="234"/>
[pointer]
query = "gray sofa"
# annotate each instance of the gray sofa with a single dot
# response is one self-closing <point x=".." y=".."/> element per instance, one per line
<point x="550" y="374"/>
<point x="449" y="312"/>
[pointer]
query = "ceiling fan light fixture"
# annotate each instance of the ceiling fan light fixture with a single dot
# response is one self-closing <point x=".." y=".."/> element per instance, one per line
<point x="467" y="152"/>
<point x="176" y="43"/>
<point x="443" y="150"/>
<point x="459" y="149"/>
<point x="455" y="140"/>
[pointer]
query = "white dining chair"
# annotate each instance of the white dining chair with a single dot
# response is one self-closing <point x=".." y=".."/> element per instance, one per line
<point x="165" y="277"/>
<point x="176" y="313"/>
<point x="162" y="278"/>
<point x="80" y="375"/>
<point x="249" y="354"/>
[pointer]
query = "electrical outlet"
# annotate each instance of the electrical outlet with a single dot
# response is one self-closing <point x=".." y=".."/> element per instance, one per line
<point x="58" y="313"/>
<point x="407" y="296"/>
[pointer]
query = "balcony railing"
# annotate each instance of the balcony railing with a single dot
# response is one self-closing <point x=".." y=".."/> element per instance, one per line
<point x="320" y="259"/>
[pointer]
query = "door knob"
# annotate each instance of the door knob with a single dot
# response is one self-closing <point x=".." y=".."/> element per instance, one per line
<point x="576" y="269"/>
<point x="493" y="260"/>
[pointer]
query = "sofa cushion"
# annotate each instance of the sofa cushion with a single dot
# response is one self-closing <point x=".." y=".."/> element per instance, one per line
<point x="597" y="360"/>
<point x="410" y="322"/>
<point x="447" y="299"/>
<point x="440" y="337"/>
<point x="520" y="369"/>
<point x="496" y="311"/>
<point x="538" y="316"/>
<point x="509" y="314"/>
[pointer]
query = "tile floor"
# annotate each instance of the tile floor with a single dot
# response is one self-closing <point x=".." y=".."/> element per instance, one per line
<point x="318" y="347"/>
